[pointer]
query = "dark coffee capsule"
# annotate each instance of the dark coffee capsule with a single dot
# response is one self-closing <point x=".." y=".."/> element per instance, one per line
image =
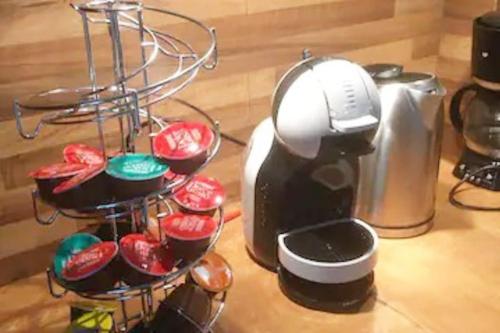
<point x="106" y="233"/>
<point x="194" y="303"/>
<point x="49" y="177"/>
<point x="85" y="190"/>
<point x="184" y="145"/>
<point x="188" y="235"/>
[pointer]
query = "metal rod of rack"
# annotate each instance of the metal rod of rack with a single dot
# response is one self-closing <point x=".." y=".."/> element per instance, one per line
<point x="184" y="73"/>
<point x="93" y="78"/>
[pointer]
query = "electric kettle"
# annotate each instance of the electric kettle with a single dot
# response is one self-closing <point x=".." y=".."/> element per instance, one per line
<point x="398" y="181"/>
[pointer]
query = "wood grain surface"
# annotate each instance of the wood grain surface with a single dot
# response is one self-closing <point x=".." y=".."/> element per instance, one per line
<point x="444" y="281"/>
<point x="455" y="47"/>
<point x="41" y="47"/>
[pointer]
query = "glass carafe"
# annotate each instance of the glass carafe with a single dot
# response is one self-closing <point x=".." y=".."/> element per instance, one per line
<point x="480" y="123"/>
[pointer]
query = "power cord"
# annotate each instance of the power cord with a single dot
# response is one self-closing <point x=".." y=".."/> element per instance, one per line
<point x="455" y="190"/>
<point x="233" y="139"/>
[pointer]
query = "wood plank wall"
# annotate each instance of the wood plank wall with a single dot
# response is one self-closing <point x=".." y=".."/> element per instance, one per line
<point x="455" y="47"/>
<point x="41" y="48"/>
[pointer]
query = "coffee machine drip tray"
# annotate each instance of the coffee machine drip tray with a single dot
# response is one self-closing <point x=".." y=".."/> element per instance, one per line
<point x="328" y="267"/>
<point x="469" y="165"/>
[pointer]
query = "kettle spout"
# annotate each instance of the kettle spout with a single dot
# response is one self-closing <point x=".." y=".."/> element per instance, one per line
<point x="429" y="101"/>
<point x="430" y="92"/>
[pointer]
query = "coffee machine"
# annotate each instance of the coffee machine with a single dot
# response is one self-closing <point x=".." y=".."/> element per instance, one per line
<point x="479" y="123"/>
<point x="299" y="183"/>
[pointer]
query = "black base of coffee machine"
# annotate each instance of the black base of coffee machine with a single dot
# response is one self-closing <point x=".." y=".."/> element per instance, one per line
<point x="470" y="162"/>
<point x="335" y="298"/>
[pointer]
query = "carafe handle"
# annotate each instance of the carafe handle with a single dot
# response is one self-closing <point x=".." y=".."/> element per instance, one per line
<point x="455" y="115"/>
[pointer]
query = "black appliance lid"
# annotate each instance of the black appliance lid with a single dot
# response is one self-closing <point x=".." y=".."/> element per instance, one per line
<point x="490" y="20"/>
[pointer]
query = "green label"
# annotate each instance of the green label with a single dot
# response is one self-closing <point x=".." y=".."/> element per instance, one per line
<point x="136" y="167"/>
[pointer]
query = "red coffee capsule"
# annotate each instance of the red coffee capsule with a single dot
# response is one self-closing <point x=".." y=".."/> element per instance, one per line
<point x="188" y="235"/>
<point x="59" y="170"/>
<point x="89" y="261"/>
<point x="146" y="255"/>
<point x="49" y="177"/>
<point x="188" y="227"/>
<point x="84" y="191"/>
<point x="183" y="140"/>
<point x="88" y="173"/>
<point x="80" y="153"/>
<point x="201" y="194"/>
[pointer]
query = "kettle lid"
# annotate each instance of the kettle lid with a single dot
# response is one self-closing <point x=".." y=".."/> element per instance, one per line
<point x="385" y="74"/>
<point x="384" y="71"/>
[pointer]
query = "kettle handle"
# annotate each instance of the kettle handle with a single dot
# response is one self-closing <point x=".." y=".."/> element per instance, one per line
<point x="455" y="115"/>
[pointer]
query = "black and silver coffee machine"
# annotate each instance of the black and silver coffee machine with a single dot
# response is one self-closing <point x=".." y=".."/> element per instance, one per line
<point x="299" y="184"/>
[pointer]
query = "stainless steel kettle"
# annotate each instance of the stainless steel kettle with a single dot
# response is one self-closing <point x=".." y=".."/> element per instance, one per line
<point x="398" y="181"/>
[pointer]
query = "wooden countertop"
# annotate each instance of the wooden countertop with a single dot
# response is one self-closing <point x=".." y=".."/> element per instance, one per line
<point x="447" y="281"/>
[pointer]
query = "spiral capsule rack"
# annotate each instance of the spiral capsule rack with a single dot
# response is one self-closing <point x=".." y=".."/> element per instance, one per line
<point x="130" y="104"/>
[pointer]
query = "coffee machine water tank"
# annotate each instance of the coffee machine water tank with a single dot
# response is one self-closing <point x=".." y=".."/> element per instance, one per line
<point x="301" y="165"/>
